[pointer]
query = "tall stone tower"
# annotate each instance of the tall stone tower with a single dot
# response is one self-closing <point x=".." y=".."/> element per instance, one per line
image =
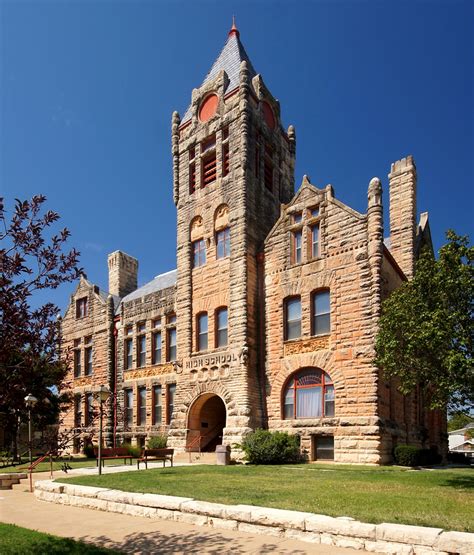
<point x="233" y="167"/>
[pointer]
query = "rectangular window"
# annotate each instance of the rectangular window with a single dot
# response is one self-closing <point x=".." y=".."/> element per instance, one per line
<point x="199" y="253"/>
<point x="208" y="161"/>
<point x="289" y="401"/>
<point x="297" y="218"/>
<point x="321" y="313"/>
<point x="128" y="330"/>
<point x="171" y="318"/>
<point x="141" y="327"/>
<point x="89" y="409"/>
<point x="88" y="361"/>
<point x="141" y="351"/>
<point x="171" y="344"/>
<point x="156" y="323"/>
<point x="223" y="243"/>
<point x="156" y="349"/>
<point x="141" y="416"/>
<point x="128" y="353"/>
<point x="296" y="247"/>
<point x="221" y="327"/>
<point x="202" y="335"/>
<point x="81" y="308"/>
<point x="315" y="241"/>
<point x="77" y="363"/>
<point x="314" y="212"/>
<point x="171" y="392"/>
<point x="324" y="448"/>
<point x="329" y="400"/>
<point x="192" y="178"/>
<point x="77" y="411"/>
<point x="293" y="318"/>
<point x="128" y="416"/>
<point x="157" y="409"/>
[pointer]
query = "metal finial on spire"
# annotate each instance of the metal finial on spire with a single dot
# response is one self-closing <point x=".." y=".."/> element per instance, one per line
<point x="233" y="29"/>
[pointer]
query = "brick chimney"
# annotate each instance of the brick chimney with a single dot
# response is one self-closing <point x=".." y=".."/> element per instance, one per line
<point x="123" y="273"/>
<point x="402" y="179"/>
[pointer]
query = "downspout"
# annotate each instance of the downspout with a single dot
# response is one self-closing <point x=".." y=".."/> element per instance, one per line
<point x="116" y="322"/>
<point x="261" y="334"/>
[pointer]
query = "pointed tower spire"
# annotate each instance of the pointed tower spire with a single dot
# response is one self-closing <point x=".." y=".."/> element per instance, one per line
<point x="233" y="29"/>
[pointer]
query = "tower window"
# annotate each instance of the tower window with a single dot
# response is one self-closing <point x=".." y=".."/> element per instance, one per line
<point x="221" y="322"/>
<point x="292" y="318"/>
<point x="225" y="160"/>
<point x="192" y="178"/>
<point x="202" y="331"/>
<point x="268" y="168"/>
<point x="208" y="161"/>
<point x="321" y="312"/>
<point x="223" y="243"/>
<point x="315" y="241"/>
<point x="199" y="253"/>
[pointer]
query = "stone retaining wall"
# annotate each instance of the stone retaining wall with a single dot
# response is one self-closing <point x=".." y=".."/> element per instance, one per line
<point x="342" y="532"/>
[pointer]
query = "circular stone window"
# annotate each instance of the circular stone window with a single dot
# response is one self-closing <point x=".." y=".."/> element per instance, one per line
<point x="208" y="107"/>
<point x="268" y="115"/>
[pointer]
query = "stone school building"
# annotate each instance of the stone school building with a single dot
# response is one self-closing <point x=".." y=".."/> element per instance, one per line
<point x="270" y="317"/>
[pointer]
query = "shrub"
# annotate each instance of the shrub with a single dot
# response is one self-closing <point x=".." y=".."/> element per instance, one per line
<point x="133" y="450"/>
<point x="89" y="450"/>
<point x="265" y="447"/>
<point x="409" y="455"/>
<point x="157" y="442"/>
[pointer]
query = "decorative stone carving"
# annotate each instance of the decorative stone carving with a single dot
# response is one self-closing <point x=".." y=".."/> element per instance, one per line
<point x="149" y="372"/>
<point x="306" y="345"/>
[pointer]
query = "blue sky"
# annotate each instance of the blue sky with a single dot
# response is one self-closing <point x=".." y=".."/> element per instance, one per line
<point x="87" y="90"/>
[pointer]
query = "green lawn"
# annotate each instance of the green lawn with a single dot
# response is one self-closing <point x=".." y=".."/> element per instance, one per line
<point x="21" y="541"/>
<point x="440" y="498"/>
<point x="44" y="466"/>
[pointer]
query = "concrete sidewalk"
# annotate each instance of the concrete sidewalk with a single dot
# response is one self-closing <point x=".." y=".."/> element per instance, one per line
<point x="141" y="535"/>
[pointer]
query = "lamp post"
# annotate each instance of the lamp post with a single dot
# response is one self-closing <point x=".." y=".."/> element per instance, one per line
<point x="103" y="396"/>
<point x="30" y="402"/>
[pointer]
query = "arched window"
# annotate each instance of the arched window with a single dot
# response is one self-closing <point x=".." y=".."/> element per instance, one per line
<point x="222" y="231"/>
<point x="198" y="243"/>
<point x="309" y="393"/>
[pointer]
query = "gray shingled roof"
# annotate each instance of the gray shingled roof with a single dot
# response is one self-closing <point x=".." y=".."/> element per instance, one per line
<point x="230" y="58"/>
<point x="163" y="281"/>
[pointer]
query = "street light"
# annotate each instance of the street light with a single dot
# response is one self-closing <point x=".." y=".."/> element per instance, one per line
<point x="103" y="396"/>
<point x="30" y="402"/>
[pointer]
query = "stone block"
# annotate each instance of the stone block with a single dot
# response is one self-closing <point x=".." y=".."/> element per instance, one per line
<point x="388" y="548"/>
<point x="118" y="496"/>
<point x="456" y="542"/>
<point x="352" y="543"/>
<point x="417" y="535"/>
<point x="223" y="523"/>
<point x="189" y="518"/>
<point x="342" y="527"/>
<point x="256" y="529"/>
<point x="309" y="537"/>
<point x="83" y="491"/>
<point x="169" y="502"/>
<point x="203" y="508"/>
<point x="279" y="517"/>
<point x="240" y="512"/>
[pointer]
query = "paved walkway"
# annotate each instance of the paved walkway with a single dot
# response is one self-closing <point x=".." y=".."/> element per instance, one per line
<point x="136" y="534"/>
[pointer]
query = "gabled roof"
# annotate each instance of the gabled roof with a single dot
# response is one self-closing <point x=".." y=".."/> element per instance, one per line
<point x="230" y="58"/>
<point x="163" y="281"/>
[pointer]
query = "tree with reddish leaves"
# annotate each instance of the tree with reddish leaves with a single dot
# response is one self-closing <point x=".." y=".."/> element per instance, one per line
<point x="32" y="258"/>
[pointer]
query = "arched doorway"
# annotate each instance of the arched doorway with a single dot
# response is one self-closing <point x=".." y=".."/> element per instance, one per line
<point x="206" y="423"/>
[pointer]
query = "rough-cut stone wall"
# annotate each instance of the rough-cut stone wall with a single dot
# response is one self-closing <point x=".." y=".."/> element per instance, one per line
<point x="403" y="214"/>
<point x="123" y="273"/>
<point x="98" y="326"/>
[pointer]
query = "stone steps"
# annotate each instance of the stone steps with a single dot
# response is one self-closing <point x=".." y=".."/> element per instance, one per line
<point x="9" y="479"/>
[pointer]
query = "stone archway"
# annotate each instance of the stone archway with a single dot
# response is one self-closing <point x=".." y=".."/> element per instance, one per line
<point x="206" y="422"/>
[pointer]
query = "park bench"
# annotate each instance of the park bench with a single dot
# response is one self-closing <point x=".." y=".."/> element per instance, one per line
<point x="156" y="455"/>
<point x="113" y="453"/>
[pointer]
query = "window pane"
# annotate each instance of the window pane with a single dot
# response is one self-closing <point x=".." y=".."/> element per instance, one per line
<point x="293" y="318"/>
<point x="322" y="324"/>
<point x="88" y="353"/>
<point x="141" y="351"/>
<point x="321" y="313"/>
<point x="172" y="344"/>
<point x="142" y="406"/>
<point x="315" y="241"/>
<point x="293" y="330"/>
<point x="157" y="348"/>
<point x="202" y="332"/>
<point x="128" y="353"/>
<point x="308" y="402"/>
<point x="322" y="302"/>
<point x="77" y="363"/>
<point x="329" y="401"/>
<point x="325" y="448"/>
<point x="157" y="404"/>
<point x="222" y="328"/>
<point x="171" y="395"/>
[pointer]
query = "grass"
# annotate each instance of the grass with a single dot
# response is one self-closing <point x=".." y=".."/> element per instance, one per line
<point x="440" y="498"/>
<point x="15" y="540"/>
<point x="44" y="466"/>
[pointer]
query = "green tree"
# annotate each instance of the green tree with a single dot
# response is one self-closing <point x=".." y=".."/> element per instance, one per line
<point x="426" y="328"/>
<point x="458" y="420"/>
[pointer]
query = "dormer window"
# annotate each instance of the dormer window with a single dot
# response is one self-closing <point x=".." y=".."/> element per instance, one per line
<point x="81" y="308"/>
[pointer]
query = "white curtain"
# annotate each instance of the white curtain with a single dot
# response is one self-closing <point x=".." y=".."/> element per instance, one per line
<point x="308" y="402"/>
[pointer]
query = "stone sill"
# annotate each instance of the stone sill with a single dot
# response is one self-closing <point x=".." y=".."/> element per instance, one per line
<point x="313" y="528"/>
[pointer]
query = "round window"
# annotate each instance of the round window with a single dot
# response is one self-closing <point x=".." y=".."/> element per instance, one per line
<point x="208" y="107"/>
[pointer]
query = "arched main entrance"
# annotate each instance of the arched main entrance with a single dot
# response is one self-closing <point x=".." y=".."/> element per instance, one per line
<point x="206" y="423"/>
